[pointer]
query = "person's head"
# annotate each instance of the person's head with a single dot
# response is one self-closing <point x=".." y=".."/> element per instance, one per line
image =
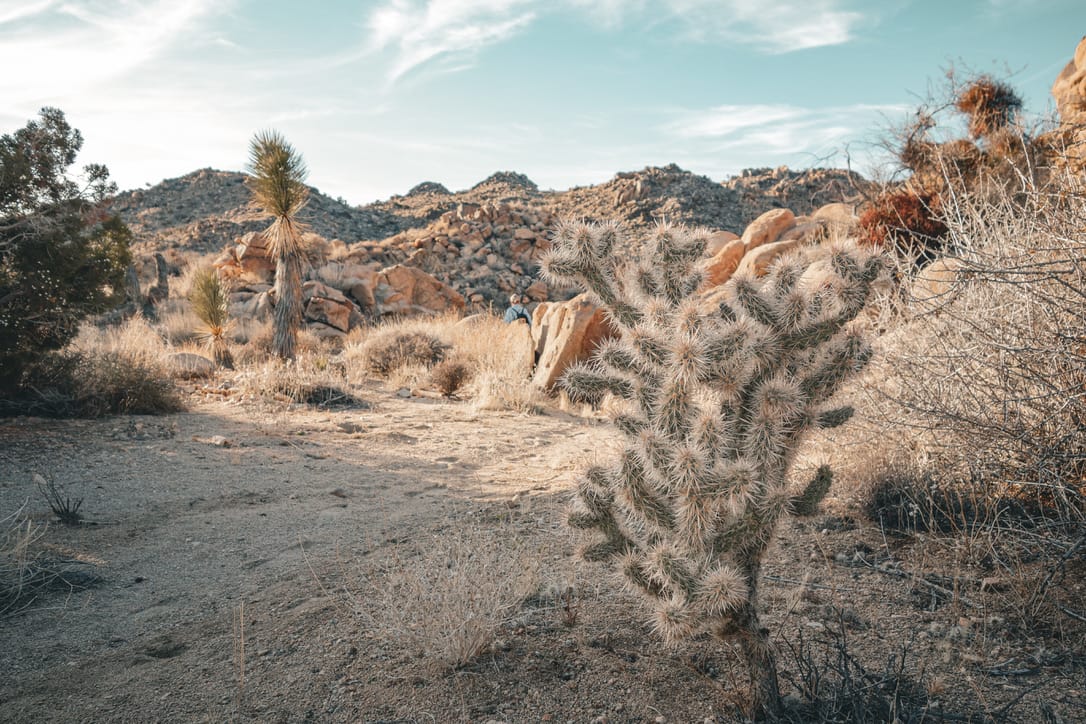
<point x="514" y="299"/>
<point x="523" y="299"/>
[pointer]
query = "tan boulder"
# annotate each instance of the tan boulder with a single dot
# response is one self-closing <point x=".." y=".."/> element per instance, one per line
<point x="723" y="264"/>
<point x="935" y="284"/>
<point x="718" y="240"/>
<point x="807" y="231"/>
<point x="757" y="262"/>
<point x="408" y="290"/>
<point x="836" y="214"/>
<point x="326" y="305"/>
<point x="251" y="252"/>
<point x="768" y="227"/>
<point x="566" y="332"/>
<point x="537" y="290"/>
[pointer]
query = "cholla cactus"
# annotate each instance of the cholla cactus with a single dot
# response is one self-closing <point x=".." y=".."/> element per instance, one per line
<point x="720" y="396"/>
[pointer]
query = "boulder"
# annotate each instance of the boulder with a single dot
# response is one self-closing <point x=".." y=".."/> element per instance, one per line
<point x="255" y="306"/>
<point x="189" y="366"/>
<point x="718" y="240"/>
<point x="934" y="285"/>
<point x="251" y="252"/>
<point x="723" y="264"/>
<point x="768" y="227"/>
<point x="757" y="262"/>
<point x="566" y="332"/>
<point x="838" y="216"/>
<point x="407" y="290"/>
<point x="1069" y="89"/>
<point x="807" y="232"/>
<point x="327" y="306"/>
<point x="1069" y="92"/>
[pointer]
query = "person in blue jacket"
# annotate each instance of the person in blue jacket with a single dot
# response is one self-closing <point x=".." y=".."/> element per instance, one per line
<point x="517" y="310"/>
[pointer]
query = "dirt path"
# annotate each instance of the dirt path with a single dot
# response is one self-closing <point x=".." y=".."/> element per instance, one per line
<point x="283" y="518"/>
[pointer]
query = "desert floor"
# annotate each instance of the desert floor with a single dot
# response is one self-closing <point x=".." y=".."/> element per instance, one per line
<point x="273" y="563"/>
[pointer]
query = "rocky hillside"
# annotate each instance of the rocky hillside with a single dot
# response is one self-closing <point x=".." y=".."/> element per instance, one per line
<point x="207" y="209"/>
<point x="431" y="247"/>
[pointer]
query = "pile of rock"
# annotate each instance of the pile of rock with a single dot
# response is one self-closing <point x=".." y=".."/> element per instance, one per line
<point x="1069" y="91"/>
<point x="568" y="332"/>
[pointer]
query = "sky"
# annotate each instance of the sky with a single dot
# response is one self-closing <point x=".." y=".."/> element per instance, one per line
<point x="380" y="95"/>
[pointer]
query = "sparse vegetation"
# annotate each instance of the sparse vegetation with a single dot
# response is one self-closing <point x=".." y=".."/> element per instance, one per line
<point x="450" y="375"/>
<point x="449" y="602"/>
<point x="389" y="349"/>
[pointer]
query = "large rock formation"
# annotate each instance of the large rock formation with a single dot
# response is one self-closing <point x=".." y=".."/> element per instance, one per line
<point x="564" y="333"/>
<point x="1069" y="91"/>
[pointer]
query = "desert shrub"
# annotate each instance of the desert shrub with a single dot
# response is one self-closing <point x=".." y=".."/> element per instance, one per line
<point x="61" y="256"/>
<point x="448" y="603"/>
<point x="450" y="375"/>
<point x="991" y="384"/>
<point x="989" y="104"/>
<point x="389" y="349"/>
<point x="311" y="379"/>
<point x="258" y="339"/>
<point x="718" y="399"/>
<point x="94" y="384"/>
<point x="19" y="559"/>
<point x="907" y="222"/>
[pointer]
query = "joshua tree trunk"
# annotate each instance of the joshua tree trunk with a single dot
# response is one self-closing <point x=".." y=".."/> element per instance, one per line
<point x="288" y="304"/>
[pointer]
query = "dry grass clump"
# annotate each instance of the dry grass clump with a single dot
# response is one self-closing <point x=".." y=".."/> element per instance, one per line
<point x="19" y="559"/>
<point x="257" y="339"/>
<point x="450" y="375"/>
<point x="311" y="379"/>
<point x="448" y="603"/>
<point x="103" y="372"/>
<point x="389" y="349"/>
<point x="502" y="356"/>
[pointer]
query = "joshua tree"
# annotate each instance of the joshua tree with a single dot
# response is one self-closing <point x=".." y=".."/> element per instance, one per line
<point x="277" y="181"/>
<point x="720" y="395"/>
<point x="210" y="304"/>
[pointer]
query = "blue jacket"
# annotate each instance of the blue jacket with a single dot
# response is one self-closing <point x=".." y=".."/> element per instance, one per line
<point x="514" y="312"/>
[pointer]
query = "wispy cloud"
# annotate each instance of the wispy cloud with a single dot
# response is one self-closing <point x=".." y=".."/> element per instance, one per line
<point x="785" y="132"/>
<point x="448" y="31"/>
<point x="80" y="43"/>
<point x="773" y="26"/>
<point x="418" y="33"/>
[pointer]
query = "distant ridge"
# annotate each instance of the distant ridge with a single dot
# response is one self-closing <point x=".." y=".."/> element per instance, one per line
<point x="204" y="210"/>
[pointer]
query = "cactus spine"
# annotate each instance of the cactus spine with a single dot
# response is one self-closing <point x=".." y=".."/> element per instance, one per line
<point x="719" y="398"/>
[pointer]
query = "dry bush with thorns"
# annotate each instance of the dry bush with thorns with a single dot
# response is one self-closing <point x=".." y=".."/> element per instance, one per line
<point x="450" y="375"/>
<point x="448" y="603"/>
<point x="994" y="378"/>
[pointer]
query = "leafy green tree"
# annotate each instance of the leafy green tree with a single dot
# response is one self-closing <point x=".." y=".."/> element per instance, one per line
<point x="277" y="182"/>
<point x="62" y="256"/>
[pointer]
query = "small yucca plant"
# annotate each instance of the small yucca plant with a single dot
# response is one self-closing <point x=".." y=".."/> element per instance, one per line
<point x="719" y="397"/>
<point x="211" y="305"/>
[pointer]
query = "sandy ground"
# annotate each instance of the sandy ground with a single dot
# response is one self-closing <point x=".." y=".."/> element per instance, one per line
<point x="239" y="562"/>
